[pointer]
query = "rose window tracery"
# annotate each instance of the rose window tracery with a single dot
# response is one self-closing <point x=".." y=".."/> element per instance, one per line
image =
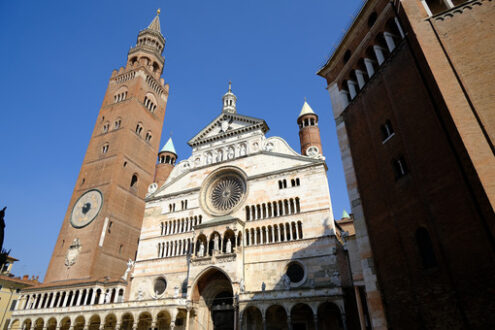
<point x="223" y="191"/>
<point x="226" y="193"/>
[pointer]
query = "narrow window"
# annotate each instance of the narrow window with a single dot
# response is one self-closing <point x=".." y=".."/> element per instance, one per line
<point x="298" y="183"/>
<point x="425" y="247"/>
<point x="110" y="226"/>
<point x="400" y="168"/>
<point x="121" y="247"/>
<point x="387" y="131"/>
<point x="104" y="149"/>
<point x="134" y="181"/>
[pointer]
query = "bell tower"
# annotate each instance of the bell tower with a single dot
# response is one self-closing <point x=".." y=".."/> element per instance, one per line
<point x="309" y="132"/>
<point x="101" y="228"/>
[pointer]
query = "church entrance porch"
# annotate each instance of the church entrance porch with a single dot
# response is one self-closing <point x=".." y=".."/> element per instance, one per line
<point x="214" y="301"/>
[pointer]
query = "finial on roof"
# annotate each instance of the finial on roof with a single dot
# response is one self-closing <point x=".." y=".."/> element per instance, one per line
<point x="229" y="100"/>
<point x="158" y="12"/>
<point x="230" y="86"/>
<point x="345" y="215"/>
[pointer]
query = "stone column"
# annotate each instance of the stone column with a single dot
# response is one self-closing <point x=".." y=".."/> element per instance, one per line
<point x="351" y="85"/>
<point x="360" y="78"/>
<point x="289" y="322"/>
<point x="344" y="321"/>
<point x="79" y="297"/>
<point x="279" y="234"/>
<point x="64" y="303"/>
<point x="297" y="232"/>
<point x="389" y="39"/>
<point x="102" y="298"/>
<point x="315" y="318"/>
<point x="188" y="311"/>
<point x="399" y="27"/>
<point x="379" y="53"/>
<point x="344" y="98"/>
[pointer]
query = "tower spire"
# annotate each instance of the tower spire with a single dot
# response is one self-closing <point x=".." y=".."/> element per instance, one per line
<point x="229" y="100"/>
<point x="155" y="23"/>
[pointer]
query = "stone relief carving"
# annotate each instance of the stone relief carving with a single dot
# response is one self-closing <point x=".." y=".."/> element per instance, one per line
<point x="72" y="252"/>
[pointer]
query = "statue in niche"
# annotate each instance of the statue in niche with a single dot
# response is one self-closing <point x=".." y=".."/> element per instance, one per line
<point x="241" y="285"/>
<point x="107" y="297"/>
<point x="216" y="243"/>
<point x="263" y="286"/>
<point x="201" y="252"/>
<point x="231" y="153"/>
<point x="228" y="247"/>
<point x="243" y="150"/>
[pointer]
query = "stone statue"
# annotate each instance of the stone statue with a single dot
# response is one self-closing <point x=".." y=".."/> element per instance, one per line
<point x="286" y="281"/>
<point x="107" y="297"/>
<point x="139" y="294"/>
<point x="241" y="285"/>
<point x="2" y="226"/>
<point x="201" y="252"/>
<point x="263" y="286"/>
<point x="228" y="248"/>
<point x="216" y="244"/>
<point x="130" y="264"/>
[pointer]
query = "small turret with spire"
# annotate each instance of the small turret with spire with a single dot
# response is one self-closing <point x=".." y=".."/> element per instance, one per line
<point x="166" y="162"/>
<point x="309" y="132"/>
<point x="149" y="47"/>
<point x="229" y="100"/>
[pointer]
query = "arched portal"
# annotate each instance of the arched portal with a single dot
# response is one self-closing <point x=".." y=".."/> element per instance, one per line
<point x="329" y="317"/>
<point x="27" y="324"/>
<point x="214" y="296"/>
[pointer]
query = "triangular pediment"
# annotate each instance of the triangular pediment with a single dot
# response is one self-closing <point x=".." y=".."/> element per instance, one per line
<point x="226" y="125"/>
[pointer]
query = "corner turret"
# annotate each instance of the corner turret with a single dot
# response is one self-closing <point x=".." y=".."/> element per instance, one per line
<point x="166" y="162"/>
<point x="309" y="132"/>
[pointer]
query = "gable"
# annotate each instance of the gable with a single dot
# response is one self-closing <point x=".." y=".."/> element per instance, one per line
<point x="227" y="124"/>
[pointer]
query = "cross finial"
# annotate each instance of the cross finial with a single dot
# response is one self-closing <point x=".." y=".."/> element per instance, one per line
<point x="305" y="99"/>
<point x="158" y="12"/>
<point x="230" y="86"/>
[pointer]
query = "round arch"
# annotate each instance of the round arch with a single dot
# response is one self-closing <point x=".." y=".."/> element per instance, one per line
<point x="213" y="293"/>
<point x="65" y="323"/>
<point x="51" y="324"/>
<point x="94" y="322"/>
<point x="276" y="318"/>
<point x="252" y="319"/>
<point x="302" y="317"/>
<point x="127" y="321"/>
<point x="329" y="317"/>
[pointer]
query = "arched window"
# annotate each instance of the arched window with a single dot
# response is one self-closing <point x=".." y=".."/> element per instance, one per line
<point x="425" y="247"/>
<point x="134" y="181"/>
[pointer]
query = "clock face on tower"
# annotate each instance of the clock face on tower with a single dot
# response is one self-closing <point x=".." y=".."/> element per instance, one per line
<point x="86" y="208"/>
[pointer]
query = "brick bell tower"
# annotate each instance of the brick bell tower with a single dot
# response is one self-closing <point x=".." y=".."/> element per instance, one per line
<point x="166" y="162"/>
<point x="309" y="132"/>
<point x="101" y="228"/>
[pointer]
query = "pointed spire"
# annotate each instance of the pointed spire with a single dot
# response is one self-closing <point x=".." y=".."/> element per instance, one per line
<point x="155" y="23"/>
<point x="345" y="215"/>
<point x="169" y="147"/>
<point x="306" y="109"/>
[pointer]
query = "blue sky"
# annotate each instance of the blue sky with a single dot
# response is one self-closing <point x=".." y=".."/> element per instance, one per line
<point x="57" y="57"/>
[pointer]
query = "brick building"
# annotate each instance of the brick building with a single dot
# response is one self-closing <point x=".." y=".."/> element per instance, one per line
<point x="412" y="91"/>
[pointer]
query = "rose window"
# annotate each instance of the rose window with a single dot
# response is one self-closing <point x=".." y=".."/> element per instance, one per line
<point x="226" y="193"/>
<point x="223" y="191"/>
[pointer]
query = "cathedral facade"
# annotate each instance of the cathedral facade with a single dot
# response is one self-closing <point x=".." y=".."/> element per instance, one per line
<point x="240" y="234"/>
